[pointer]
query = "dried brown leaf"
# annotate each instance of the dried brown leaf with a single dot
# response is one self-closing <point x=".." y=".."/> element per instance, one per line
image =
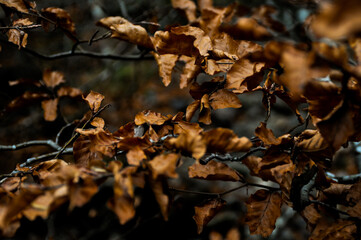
<point x="98" y="122"/>
<point x="214" y="170"/>
<point x="81" y="192"/>
<point x="83" y="154"/>
<point x="150" y="118"/>
<point x="338" y="19"/>
<point x="311" y="141"/>
<point x="69" y="91"/>
<point x="188" y="143"/>
<point x="205" y="110"/>
<point x="267" y="136"/>
<point x="50" y="107"/>
<point x="240" y="71"/>
<point x="135" y="156"/>
<point x="340" y="230"/>
<point x="127" y="31"/>
<point x="247" y="29"/>
<point x="159" y="186"/>
<point x="53" y="78"/>
<point x="205" y="212"/>
<point x="166" y="63"/>
<point x="61" y="17"/>
<point x="123" y="201"/>
<point x="263" y="209"/>
<point x="165" y="165"/>
<point x="94" y="100"/>
<point x="191" y="109"/>
<point x="224" y="140"/>
<point x="224" y="99"/>
<point x="19" y="5"/>
<point x="188" y="7"/>
<point x="183" y="40"/>
<point x="189" y="72"/>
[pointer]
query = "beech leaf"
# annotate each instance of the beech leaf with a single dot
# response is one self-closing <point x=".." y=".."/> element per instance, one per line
<point x="50" y="108"/>
<point x="205" y="212"/>
<point x="214" y="170"/>
<point x="52" y="78"/>
<point x="94" y="100"/>
<point x="263" y="209"/>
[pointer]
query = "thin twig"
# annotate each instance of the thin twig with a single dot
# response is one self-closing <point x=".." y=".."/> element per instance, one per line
<point x="49" y="143"/>
<point x="229" y="157"/>
<point x="351" y="179"/>
<point x="76" y="135"/>
<point x="61" y="131"/>
<point x="330" y="207"/>
<point x="32" y="160"/>
<point x="22" y="27"/>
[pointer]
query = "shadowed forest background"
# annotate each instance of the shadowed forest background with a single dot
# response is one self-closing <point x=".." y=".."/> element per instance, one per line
<point x="281" y="137"/>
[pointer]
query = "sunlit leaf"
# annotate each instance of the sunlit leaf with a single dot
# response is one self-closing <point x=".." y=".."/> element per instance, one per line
<point x="135" y="155"/>
<point x="69" y="91"/>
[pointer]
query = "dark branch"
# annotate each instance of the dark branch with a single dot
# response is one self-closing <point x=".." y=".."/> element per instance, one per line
<point x="351" y="179"/>
<point x="22" y="27"/>
<point x="229" y="157"/>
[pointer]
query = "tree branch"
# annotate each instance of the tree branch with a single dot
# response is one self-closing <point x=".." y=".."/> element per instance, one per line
<point x="49" y="143"/>
<point x="229" y="157"/>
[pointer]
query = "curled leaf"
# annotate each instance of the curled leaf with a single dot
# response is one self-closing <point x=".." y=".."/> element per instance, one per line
<point x="94" y="100"/>
<point x="127" y="31"/>
<point x="164" y="164"/>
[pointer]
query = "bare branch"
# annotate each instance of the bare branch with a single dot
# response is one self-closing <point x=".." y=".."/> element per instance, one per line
<point x="49" y="143"/>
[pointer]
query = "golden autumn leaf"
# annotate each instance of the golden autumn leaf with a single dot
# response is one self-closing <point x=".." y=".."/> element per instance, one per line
<point x="61" y="17"/>
<point x="94" y="100"/>
<point x="188" y="7"/>
<point x="42" y="170"/>
<point x="166" y="63"/>
<point x="224" y="99"/>
<point x="127" y="31"/>
<point x="205" y="212"/>
<point x="150" y="118"/>
<point x="19" y="5"/>
<point x="337" y="19"/>
<point x="263" y="209"/>
<point x="188" y="143"/>
<point x="53" y="78"/>
<point x="214" y="170"/>
<point x="40" y="207"/>
<point x="165" y="165"/>
<point x="50" y="107"/>
<point x="224" y="140"/>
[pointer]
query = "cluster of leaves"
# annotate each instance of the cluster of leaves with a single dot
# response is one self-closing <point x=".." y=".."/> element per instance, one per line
<point x="241" y="54"/>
